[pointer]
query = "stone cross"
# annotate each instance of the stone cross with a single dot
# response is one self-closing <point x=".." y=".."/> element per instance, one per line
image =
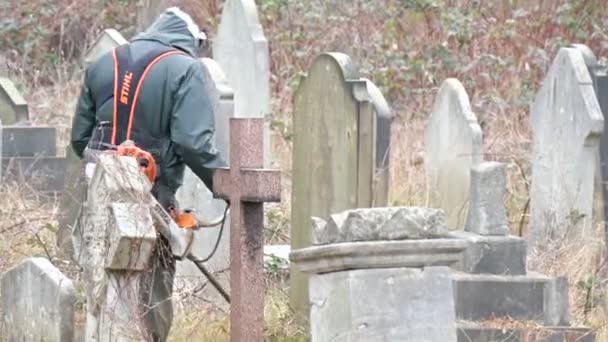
<point x="247" y="187"/>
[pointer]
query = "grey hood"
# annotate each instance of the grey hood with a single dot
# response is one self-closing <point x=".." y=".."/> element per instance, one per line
<point x="176" y="28"/>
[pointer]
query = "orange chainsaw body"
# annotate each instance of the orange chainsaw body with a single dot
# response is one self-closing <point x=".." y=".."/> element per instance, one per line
<point x="147" y="166"/>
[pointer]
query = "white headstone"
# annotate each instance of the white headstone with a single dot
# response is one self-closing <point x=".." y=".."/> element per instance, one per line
<point x="242" y="51"/>
<point x="194" y="194"/>
<point x="453" y="144"/>
<point x="567" y="124"/>
<point x="37" y="303"/>
<point x="109" y="39"/>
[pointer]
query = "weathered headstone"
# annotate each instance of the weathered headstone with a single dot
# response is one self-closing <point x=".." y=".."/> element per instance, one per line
<point x="247" y="187"/>
<point x="241" y="49"/>
<point x="567" y="123"/>
<point x="340" y="150"/>
<point x="37" y="303"/>
<point x="3" y="66"/>
<point x="13" y="107"/>
<point x="109" y="38"/>
<point x="599" y="77"/>
<point x="74" y="192"/>
<point x="148" y="11"/>
<point x="452" y="147"/>
<point x="487" y="214"/>
<point x="194" y="194"/>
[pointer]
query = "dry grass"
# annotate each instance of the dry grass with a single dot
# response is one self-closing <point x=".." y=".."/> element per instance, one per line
<point x="500" y="51"/>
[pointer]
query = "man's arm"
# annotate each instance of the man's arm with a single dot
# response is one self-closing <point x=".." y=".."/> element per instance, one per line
<point x="193" y="125"/>
<point x="83" y="122"/>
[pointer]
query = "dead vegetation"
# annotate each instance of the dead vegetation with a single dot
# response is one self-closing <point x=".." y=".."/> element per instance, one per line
<point x="499" y="50"/>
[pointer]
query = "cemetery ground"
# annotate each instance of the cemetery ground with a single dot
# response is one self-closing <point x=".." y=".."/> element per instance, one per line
<point x="408" y="48"/>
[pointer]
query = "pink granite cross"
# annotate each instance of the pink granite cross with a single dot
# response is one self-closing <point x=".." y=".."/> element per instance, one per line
<point x="247" y="186"/>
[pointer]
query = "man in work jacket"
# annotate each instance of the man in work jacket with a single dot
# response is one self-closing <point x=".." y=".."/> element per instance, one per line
<point x="169" y="114"/>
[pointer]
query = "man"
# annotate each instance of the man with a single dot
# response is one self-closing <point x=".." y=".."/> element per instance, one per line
<point x="168" y="114"/>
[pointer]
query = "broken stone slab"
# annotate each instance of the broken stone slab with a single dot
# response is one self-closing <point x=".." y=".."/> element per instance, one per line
<point x="487" y="214"/>
<point x="503" y="255"/>
<point x="132" y="238"/>
<point x="37" y="303"/>
<point x="380" y="254"/>
<point x="474" y="333"/>
<point x="28" y="141"/>
<point x="371" y="224"/>
<point x="527" y="298"/>
<point x="389" y="304"/>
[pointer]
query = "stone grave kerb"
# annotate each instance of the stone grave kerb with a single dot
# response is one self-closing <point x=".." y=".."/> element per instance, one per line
<point x="247" y="187"/>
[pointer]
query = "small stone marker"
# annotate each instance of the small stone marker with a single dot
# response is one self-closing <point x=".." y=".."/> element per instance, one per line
<point x="13" y="107"/>
<point x="340" y="151"/>
<point x="567" y="123"/>
<point x="247" y="187"/>
<point x="487" y="214"/>
<point x="3" y="66"/>
<point x="37" y="303"/>
<point x="452" y="146"/>
<point x="110" y="38"/>
<point x="241" y="49"/>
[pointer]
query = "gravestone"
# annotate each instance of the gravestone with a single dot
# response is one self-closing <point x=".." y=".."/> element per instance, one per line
<point x="340" y="150"/>
<point x="241" y="49"/>
<point x="3" y="66"/>
<point x="74" y="192"/>
<point x="194" y="194"/>
<point x="114" y="245"/>
<point x="13" y="107"/>
<point x="107" y="40"/>
<point x="487" y="214"/>
<point x="452" y="146"/>
<point x="247" y="186"/>
<point x="599" y="77"/>
<point x="567" y="123"/>
<point x="148" y="11"/>
<point x="369" y="285"/>
<point x="37" y="303"/>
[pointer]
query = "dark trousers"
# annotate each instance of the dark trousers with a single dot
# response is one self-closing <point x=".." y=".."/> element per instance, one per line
<point x="156" y="285"/>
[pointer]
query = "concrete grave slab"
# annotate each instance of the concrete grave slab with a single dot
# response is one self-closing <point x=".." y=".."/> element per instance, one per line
<point x="472" y="333"/>
<point x="390" y="304"/>
<point x="527" y="298"/>
<point x="380" y="254"/>
<point x="28" y="141"/>
<point x="37" y="303"/>
<point x="503" y="255"/>
<point x="44" y="174"/>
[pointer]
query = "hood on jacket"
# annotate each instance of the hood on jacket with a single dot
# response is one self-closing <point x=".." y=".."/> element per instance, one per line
<point x="176" y="28"/>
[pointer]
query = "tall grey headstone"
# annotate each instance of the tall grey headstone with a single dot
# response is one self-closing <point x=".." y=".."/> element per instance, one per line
<point x="453" y="144"/>
<point x="109" y="39"/>
<point x="487" y="214"/>
<point x="241" y="49"/>
<point x="340" y="150"/>
<point x="567" y="123"/>
<point x="13" y="107"/>
<point x="37" y="303"/>
<point x="599" y="77"/>
<point x="194" y="194"/>
<point x="74" y="192"/>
